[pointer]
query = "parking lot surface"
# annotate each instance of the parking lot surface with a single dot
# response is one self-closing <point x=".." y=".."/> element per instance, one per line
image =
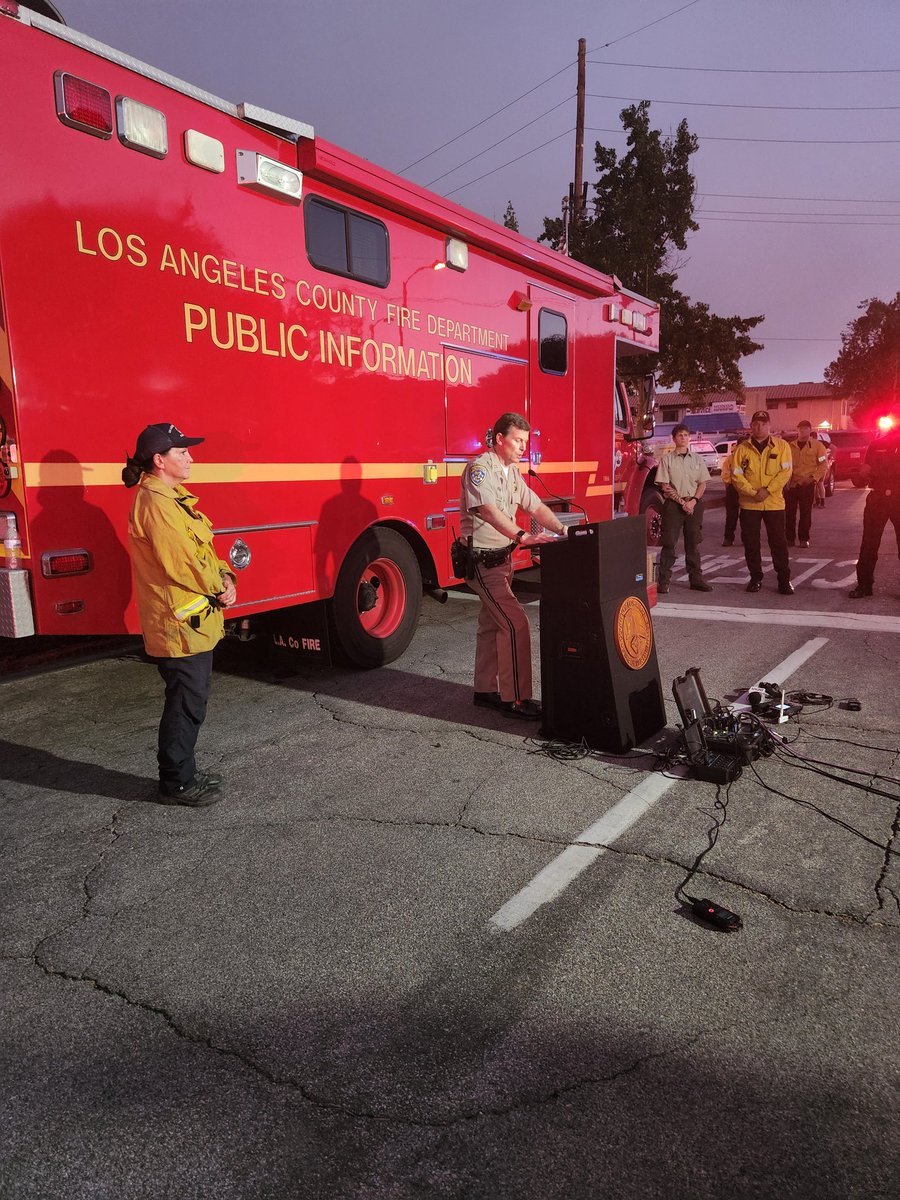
<point x="306" y="990"/>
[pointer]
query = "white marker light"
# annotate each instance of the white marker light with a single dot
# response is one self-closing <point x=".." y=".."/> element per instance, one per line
<point x="203" y="151"/>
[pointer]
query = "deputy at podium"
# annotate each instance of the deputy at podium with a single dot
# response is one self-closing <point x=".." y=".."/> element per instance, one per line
<point x="493" y="491"/>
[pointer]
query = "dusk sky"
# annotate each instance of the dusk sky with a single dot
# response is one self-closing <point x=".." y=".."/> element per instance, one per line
<point x="796" y="104"/>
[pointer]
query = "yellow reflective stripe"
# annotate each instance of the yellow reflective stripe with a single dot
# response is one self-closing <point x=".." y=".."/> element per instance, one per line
<point x="191" y="608"/>
<point x="101" y="474"/>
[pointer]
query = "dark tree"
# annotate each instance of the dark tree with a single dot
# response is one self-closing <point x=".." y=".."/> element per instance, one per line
<point x="510" y="220"/>
<point x="636" y="228"/>
<point x="868" y="366"/>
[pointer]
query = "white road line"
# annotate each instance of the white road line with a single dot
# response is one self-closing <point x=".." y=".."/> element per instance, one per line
<point x="588" y="846"/>
<point x="859" y="620"/>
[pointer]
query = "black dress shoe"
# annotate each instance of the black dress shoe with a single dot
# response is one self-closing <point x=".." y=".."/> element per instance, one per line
<point x="199" y="792"/>
<point x="701" y="585"/>
<point x="786" y="589"/>
<point x="486" y="699"/>
<point x="661" y="589"/>
<point x="803" y="545"/>
<point x="859" y="593"/>
<point x="522" y="710"/>
<point x="755" y="585"/>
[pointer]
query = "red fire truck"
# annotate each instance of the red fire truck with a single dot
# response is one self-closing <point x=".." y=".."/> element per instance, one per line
<point x="342" y="338"/>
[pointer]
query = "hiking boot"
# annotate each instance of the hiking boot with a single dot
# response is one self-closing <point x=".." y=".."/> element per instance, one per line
<point x="700" y="585"/>
<point x="199" y="792"/>
<point x="859" y="593"/>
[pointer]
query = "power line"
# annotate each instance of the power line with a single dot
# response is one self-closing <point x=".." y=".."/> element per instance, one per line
<point x="478" y="124"/>
<point x="767" y="107"/>
<point x="778" y="141"/>
<point x="674" y="13"/>
<point x="804" y="199"/>
<point x="751" y="70"/>
<point x="778" y="221"/>
<point x="753" y="212"/>
<point x="432" y="182"/>
<point x="534" y="149"/>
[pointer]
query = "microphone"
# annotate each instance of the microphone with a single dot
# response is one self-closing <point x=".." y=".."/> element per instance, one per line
<point x="552" y="496"/>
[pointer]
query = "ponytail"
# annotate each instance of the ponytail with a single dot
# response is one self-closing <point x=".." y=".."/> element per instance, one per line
<point x="133" y="470"/>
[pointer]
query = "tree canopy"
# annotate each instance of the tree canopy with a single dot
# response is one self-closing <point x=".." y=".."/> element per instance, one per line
<point x="868" y="365"/>
<point x="510" y="220"/>
<point x="635" y="228"/>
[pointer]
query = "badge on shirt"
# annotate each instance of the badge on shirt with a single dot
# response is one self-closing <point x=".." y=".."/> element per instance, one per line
<point x="478" y="475"/>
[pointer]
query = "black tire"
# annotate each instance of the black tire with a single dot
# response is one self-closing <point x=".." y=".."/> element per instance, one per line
<point x="858" y="481"/>
<point x="373" y="614"/>
<point x="652" y="508"/>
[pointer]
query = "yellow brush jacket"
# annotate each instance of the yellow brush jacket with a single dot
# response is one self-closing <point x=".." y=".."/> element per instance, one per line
<point x="752" y="470"/>
<point x="175" y="566"/>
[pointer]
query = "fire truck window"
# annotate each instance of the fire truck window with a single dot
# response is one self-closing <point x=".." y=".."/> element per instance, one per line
<point x="368" y="250"/>
<point x="346" y="243"/>
<point x="552" y="335"/>
<point x="326" y="237"/>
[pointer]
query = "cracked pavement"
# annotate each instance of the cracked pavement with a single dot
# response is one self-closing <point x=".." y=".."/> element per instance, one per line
<point x="297" y="991"/>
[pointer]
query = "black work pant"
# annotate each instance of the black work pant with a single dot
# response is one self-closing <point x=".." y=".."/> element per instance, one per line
<point x="674" y="519"/>
<point x="752" y="521"/>
<point x="799" y="499"/>
<point x="732" y="511"/>
<point x="188" y="681"/>
<point x="879" y="510"/>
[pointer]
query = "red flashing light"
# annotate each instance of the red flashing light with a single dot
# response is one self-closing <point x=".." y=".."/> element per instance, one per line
<point x="83" y="105"/>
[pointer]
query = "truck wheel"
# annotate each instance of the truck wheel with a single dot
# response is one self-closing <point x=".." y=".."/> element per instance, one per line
<point x="375" y="608"/>
<point x="652" y="508"/>
<point x="858" y="481"/>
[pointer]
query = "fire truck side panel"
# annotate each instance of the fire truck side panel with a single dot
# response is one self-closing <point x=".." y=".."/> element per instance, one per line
<point x="139" y="289"/>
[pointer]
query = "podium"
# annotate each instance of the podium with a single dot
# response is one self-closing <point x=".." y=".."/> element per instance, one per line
<point x="599" y="674"/>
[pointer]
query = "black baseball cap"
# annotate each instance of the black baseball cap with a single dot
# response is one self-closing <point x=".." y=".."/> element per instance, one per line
<point x="760" y="415"/>
<point x="159" y="439"/>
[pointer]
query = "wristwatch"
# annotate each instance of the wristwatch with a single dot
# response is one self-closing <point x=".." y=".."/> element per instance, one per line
<point x="520" y="535"/>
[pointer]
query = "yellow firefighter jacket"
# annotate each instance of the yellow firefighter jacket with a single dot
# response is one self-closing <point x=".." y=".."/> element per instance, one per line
<point x="175" y="570"/>
<point x="809" y="461"/>
<point x="752" y="470"/>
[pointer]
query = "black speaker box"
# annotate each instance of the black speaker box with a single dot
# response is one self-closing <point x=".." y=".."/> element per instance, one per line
<point x="599" y="673"/>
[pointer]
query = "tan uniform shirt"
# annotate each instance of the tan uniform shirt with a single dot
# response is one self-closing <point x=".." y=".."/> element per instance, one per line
<point x="683" y="472"/>
<point x="485" y="480"/>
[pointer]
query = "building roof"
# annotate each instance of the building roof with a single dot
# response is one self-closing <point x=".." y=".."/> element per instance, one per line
<point x="756" y="397"/>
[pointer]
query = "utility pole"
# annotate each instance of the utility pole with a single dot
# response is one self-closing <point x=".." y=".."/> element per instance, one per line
<point x="578" y="193"/>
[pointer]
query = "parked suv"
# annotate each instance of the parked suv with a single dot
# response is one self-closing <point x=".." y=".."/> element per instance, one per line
<point x="849" y="446"/>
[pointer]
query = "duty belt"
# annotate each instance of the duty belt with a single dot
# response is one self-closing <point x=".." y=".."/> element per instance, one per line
<point x="494" y="558"/>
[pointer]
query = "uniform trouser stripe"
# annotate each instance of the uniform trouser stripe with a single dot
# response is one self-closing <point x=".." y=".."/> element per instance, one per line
<point x="510" y="660"/>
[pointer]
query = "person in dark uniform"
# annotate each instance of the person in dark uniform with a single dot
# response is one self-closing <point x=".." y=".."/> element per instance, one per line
<point x="492" y="491"/>
<point x="881" y="470"/>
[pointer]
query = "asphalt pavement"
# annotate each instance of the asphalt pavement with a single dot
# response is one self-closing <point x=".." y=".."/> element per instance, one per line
<point x="309" y="990"/>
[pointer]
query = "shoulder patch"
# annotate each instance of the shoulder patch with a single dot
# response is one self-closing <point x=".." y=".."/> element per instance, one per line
<point x="478" y="474"/>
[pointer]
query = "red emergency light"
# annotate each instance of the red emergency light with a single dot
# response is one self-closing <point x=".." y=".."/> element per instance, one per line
<point x="83" y="105"/>
<point x="65" y="562"/>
